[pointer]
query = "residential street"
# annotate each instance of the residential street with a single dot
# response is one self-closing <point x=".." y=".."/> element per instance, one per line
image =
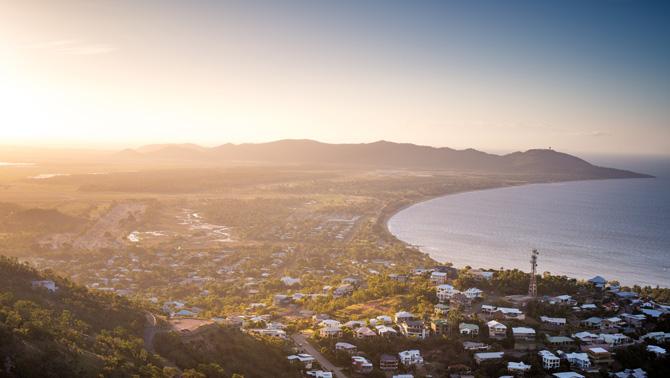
<point x="301" y="342"/>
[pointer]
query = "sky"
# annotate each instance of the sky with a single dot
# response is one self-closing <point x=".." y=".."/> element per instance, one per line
<point x="579" y="76"/>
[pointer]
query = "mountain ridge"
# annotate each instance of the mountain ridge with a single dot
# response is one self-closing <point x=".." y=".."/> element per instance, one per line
<point x="384" y="154"/>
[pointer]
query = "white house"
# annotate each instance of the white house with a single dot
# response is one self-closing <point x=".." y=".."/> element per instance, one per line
<point x="384" y="330"/>
<point x="523" y="333"/>
<point x="290" y="281"/>
<point x="346" y="347"/>
<point x="549" y="360"/>
<point x="517" y="367"/>
<point x="497" y="330"/>
<point x="567" y="374"/>
<point x="468" y="329"/>
<point x="473" y="293"/>
<point x="364" y="332"/>
<point x="556" y="322"/>
<point x="511" y="313"/>
<point x="660" y="352"/>
<point x="586" y="337"/>
<point x="579" y="360"/>
<point x="410" y="357"/>
<point x="445" y="292"/>
<point x="47" y="284"/>
<point x="330" y="332"/>
<point x="614" y="339"/>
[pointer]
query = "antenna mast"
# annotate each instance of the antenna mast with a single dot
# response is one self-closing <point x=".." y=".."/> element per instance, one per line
<point x="532" y="288"/>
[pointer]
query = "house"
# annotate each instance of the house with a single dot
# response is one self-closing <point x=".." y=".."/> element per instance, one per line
<point x="588" y="307"/>
<point x="343" y="290"/>
<point x="599" y="357"/>
<point x="563" y="300"/>
<point x="481" y="274"/>
<point x="330" y="323"/>
<point x="613" y="322"/>
<point x="560" y="341"/>
<point x="415" y="329"/>
<point x="549" y="360"/>
<point x="517" y="367"/>
<point x="511" y="313"/>
<point x="388" y="362"/>
<point x="630" y="373"/>
<point x="598" y="282"/>
<point x="471" y="345"/>
<point x="281" y="300"/>
<point x="441" y="309"/>
<point x="460" y="300"/>
<point x="657" y="350"/>
<point x="330" y="332"/>
<point x="361" y="365"/>
<point x="410" y="357"/>
<point x="46" y="284"/>
<point x="661" y="337"/>
<point x="403" y="316"/>
<point x="554" y="322"/>
<point x="384" y="319"/>
<point x="346" y="347"/>
<point x="438" y="278"/>
<point x="579" y="360"/>
<point x="488" y="309"/>
<point x="483" y="357"/>
<point x="290" y="281"/>
<point x="364" y="333"/>
<point x="384" y="330"/>
<point x="303" y="358"/>
<point x="473" y="293"/>
<point x="497" y="330"/>
<point x="567" y="374"/>
<point x="652" y="313"/>
<point x="523" y="333"/>
<point x="634" y="320"/>
<point x="614" y="339"/>
<point x="592" y="322"/>
<point x="468" y="329"/>
<point x="444" y="292"/>
<point x="586" y="338"/>
<point x="319" y="374"/>
<point x="439" y="327"/>
<point x="354" y="324"/>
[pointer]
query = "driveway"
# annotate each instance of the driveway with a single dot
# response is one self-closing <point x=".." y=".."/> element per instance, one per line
<point x="302" y="343"/>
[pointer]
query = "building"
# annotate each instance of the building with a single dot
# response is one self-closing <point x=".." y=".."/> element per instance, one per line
<point x="523" y="334"/>
<point x="657" y="350"/>
<point x="306" y="360"/>
<point x="613" y="322"/>
<point x="403" y="316"/>
<point x="330" y="332"/>
<point x="444" y="292"/>
<point x="600" y="357"/>
<point x="598" y="282"/>
<point x="346" y="347"/>
<point x="630" y="373"/>
<point x="440" y="327"/>
<point x="410" y="357"/>
<point x="413" y="329"/>
<point x="343" y="290"/>
<point x="567" y="374"/>
<point x="554" y="322"/>
<point x="580" y="361"/>
<point x="586" y="338"/>
<point x="384" y="330"/>
<point x="364" y="333"/>
<point x="511" y="313"/>
<point x="441" y="309"/>
<point x="517" y="367"/>
<point x="438" y="278"/>
<point x="614" y="340"/>
<point x="46" y="284"/>
<point x="497" y="330"/>
<point x="592" y="322"/>
<point x="473" y="293"/>
<point x="634" y="320"/>
<point x="560" y="342"/>
<point x="468" y="329"/>
<point x="549" y="360"/>
<point x="361" y="365"/>
<point x="388" y="362"/>
<point x="483" y="357"/>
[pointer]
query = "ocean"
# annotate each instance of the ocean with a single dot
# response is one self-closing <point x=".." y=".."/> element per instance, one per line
<point x="618" y="229"/>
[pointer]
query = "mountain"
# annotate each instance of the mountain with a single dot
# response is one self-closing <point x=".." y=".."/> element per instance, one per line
<point x="387" y="155"/>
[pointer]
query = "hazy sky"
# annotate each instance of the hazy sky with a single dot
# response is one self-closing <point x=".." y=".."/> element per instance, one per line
<point x="579" y="76"/>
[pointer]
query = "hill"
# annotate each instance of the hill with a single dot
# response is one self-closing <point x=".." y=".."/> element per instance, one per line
<point x="74" y="332"/>
<point x="386" y="155"/>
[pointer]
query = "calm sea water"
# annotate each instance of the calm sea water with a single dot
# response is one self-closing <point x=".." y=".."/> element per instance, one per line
<point x="619" y="229"/>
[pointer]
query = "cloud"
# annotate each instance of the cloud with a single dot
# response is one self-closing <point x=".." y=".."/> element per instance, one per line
<point x="74" y="47"/>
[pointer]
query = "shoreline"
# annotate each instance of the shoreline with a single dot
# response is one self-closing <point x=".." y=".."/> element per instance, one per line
<point x="393" y="209"/>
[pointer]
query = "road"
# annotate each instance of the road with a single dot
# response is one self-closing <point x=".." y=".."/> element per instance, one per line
<point x="301" y="342"/>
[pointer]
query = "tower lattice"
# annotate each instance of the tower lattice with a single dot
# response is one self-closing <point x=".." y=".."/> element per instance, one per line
<point x="532" y="288"/>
